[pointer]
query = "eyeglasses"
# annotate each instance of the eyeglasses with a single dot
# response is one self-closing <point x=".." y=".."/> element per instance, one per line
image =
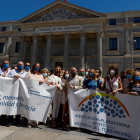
<point x="27" y="65"/>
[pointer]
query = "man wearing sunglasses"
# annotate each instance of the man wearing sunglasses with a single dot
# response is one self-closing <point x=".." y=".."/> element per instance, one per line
<point x="27" y="67"/>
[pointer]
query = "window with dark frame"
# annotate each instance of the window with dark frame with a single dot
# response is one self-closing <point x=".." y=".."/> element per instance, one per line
<point x="1" y="47"/>
<point x="17" y="47"/>
<point x="3" y="29"/>
<point x="113" y="43"/>
<point x="112" y="22"/>
<point x="137" y="44"/>
<point x="136" y="19"/>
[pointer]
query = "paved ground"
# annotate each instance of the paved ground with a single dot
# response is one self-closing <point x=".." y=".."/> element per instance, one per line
<point x="49" y="133"/>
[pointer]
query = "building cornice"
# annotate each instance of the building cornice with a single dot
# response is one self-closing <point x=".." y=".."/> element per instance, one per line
<point x="62" y="22"/>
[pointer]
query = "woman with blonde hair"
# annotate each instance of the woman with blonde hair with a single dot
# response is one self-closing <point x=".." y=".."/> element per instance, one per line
<point x="57" y="100"/>
<point x="134" y="87"/>
<point x="93" y="83"/>
<point x="45" y="75"/>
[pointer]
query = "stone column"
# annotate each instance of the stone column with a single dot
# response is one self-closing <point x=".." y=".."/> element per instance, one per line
<point x="82" y="50"/>
<point x="126" y="41"/>
<point x="66" y="51"/>
<point x="34" y="50"/>
<point x="99" y="50"/>
<point x="48" y="51"/>
<point x="21" y="49"/>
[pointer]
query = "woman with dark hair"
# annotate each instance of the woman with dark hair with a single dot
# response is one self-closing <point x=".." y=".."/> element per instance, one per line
<point x="36" y="75"/>
<point x="112" y="82"/>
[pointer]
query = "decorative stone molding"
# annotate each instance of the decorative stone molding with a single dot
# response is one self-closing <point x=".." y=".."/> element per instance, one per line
<point x="99" y="34"/>
<point x="82" y="34"/>
<point x="49" y="35"/>
<point x="66" y="34"/>
<point x="22" y="37"/>
<point x="35" y="37"/>
<point x="116" y="65"/>
<point x="113" y="34"/>
<point x="61" y="14"/>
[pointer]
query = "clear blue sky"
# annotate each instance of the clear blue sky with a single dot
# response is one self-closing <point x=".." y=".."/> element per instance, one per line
<point x="17" y="9"/>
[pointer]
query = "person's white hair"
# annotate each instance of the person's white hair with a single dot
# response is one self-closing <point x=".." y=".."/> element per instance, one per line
<point x="19" y="62"/>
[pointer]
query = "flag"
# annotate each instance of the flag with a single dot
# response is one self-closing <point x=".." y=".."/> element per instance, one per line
<point x="65" y="0"/>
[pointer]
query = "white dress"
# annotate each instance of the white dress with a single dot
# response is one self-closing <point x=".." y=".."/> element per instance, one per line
<point x="58" y="98"/>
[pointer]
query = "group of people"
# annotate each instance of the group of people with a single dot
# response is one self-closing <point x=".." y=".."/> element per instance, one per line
<point x="90" y="79"/>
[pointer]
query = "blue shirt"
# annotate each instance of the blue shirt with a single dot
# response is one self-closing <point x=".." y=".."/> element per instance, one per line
<point x="16" y="72"/>
<point x="92" y="84"/>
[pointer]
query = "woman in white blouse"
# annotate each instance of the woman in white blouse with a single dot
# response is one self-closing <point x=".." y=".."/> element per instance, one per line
<point x="57" y="100"/>
<point x="112" y="82"/>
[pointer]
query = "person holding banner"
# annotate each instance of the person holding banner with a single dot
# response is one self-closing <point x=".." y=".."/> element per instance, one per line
<point x="27" y="67"/>
<point x="57" y="100"/>
<point x="112" y="82"/>
<point x="75" y="81"/>
<point x="130" y="74"/>
<point x="36" y="75"/>
<point x="45" y="75"/>
<point x="4" y="69"/>
<point x="134" y="87"/>
<point x="17" y="73"/>
<point x="93" y="83"/>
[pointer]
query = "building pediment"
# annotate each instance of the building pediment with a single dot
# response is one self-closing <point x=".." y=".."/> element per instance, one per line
<point x="60" y="10"/>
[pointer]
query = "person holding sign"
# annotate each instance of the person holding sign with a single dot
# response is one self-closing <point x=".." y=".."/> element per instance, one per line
<point x="93" y="83"/>
<point x="17" y="73"/>
<point x="74" y="81"/>
<point x="112" y="82"/>
<point x="134" y="87"/>
<point x="36" y="75"/>
<point x="57" y="100"/>
<point x="4" y="71"/>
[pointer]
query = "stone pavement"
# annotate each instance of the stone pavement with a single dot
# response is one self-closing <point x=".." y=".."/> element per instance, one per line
<point x="48" y="133"/>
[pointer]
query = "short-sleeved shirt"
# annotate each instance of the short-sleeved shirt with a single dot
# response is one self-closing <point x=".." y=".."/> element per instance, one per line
<point x="92" y="84"/>
<point x="134" y="88"/>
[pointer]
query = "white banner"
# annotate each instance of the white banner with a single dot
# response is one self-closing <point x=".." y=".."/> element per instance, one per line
<point x="97" y="111"/>
<point x="26" y="97"/>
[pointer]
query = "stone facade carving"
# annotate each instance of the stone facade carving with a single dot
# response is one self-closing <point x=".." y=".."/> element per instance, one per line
<point x="61" y="14"/>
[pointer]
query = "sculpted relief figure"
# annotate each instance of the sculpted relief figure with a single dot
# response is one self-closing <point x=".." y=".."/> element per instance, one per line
<point x="60" y="14"/>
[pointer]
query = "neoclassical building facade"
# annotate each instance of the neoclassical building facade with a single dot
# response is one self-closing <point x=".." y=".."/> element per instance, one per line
<point x="69" y="35"/>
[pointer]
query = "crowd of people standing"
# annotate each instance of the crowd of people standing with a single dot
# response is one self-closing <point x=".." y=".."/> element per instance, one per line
<point x="128" y="82"/>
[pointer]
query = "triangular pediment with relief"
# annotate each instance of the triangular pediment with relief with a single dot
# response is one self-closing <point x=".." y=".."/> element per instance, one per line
<point x="60" y="10"/>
